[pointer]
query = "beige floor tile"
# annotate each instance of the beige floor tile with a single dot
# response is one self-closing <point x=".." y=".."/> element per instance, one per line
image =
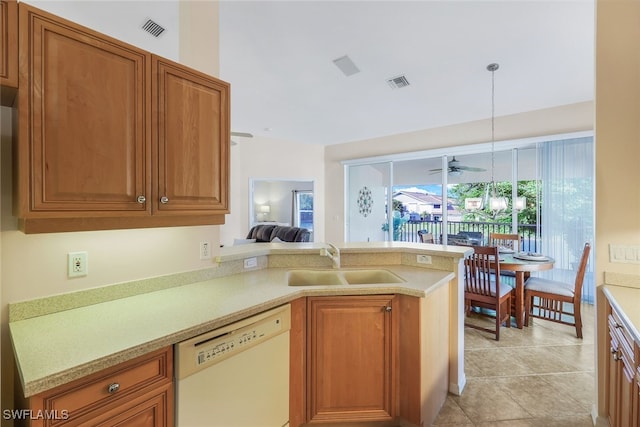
<point x="541" y="398"/>
<point x="578" y="421"/>
<point x="485" y="400"/>
<point x="451" y="414"/>
<point x="541" y="375"/>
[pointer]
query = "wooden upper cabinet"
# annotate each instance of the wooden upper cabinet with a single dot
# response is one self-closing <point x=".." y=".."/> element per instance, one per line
<point x="84" y="124"/>
<point x="191" y="137"/>
<point x="113" y="137"/>
<point x="8" y="51"/>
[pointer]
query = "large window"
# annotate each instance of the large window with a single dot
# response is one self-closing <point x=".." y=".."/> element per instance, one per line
<point x="304" y="209"/>
<point x="554" y="177"/>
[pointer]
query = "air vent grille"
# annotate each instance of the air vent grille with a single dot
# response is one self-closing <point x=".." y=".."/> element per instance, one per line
<point x="398" y="82"/>
<point x="153" y="28"/>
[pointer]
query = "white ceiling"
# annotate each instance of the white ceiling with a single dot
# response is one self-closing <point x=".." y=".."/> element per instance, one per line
<point x="278" y="56"/>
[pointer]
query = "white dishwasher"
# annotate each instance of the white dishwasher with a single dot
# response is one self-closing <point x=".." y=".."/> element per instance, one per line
<point x="236" y="376"/>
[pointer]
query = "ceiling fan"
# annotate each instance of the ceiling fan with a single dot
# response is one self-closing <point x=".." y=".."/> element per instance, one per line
<point x="456" y="168"/>
<point x="240" y="134"/>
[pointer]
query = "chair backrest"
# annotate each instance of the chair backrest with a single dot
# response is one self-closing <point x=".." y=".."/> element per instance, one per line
<point x="511" y="241"/>
<point x="581" y="272"/>
<point x="481" y="270"/>
<point x="425" y="237"/>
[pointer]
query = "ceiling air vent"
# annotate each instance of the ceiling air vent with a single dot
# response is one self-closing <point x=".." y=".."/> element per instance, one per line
<point x="153" y="28"/>
<point x="398" y="82"/>
<point x="346" y="65"/>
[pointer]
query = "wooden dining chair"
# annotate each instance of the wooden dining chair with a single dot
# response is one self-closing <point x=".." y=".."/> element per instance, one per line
<point x="545" y="299"/>
<point x="425" y="237"/>
<point x="511" y="241"/>
<point x="482" y="287"/>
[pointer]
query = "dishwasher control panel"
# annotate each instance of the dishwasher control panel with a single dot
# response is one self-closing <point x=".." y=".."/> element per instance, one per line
<point x="213" y="347"/>
<point x="219" y="348"/>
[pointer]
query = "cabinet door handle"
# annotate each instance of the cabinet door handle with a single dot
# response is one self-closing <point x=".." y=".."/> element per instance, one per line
<point x="141" y="199"/>
<point x="164" y="200"/>
<point x="613" y="350"/>
<point x="616" y="357"/>
<point x="387" y="308"/>
<point x="113" y="388"/>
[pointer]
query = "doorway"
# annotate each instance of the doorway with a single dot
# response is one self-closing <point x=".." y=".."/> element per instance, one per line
<point x="282" y="202"/>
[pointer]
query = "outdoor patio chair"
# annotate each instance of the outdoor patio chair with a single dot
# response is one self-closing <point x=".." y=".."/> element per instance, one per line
<point x="425" y="237"/>
<point x="545" y="299"/>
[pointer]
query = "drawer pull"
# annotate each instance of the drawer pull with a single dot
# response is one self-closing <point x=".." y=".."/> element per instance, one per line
<point x="113" y="388"/>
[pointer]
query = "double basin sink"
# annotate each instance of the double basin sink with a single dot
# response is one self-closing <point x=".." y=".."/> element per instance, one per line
<point x="310" y="277"/>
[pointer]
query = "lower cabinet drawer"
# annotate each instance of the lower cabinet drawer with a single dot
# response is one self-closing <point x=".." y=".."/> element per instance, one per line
<point x="106" y="389"/>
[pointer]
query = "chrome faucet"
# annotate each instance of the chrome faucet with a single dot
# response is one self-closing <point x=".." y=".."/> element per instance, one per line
<point x="333" y="253"/>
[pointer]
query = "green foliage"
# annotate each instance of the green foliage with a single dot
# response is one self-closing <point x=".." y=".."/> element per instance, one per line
<point x="482" y="190"/>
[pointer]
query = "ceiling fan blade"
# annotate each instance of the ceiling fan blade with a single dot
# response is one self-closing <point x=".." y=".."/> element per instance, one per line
<point x="242" y="134"/>
<point x="471" y="169"/>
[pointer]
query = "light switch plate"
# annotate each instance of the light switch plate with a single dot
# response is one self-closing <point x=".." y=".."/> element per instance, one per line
<point x="629" y="254"/>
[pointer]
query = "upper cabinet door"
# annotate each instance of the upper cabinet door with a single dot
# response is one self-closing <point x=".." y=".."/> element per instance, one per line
<point x="84" y="121"/>
<point x="8" y="51"/>
<point x="191" y="133"/>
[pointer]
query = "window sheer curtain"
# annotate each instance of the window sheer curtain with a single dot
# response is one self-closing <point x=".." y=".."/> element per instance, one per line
<point x="567" y="171"/>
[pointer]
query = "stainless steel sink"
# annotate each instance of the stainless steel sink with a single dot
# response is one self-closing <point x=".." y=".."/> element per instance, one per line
<point x="341" y="277"/>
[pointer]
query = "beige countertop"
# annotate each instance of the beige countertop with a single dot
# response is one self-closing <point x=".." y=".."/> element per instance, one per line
<point x="626" y="300"/>
<point x="56" y="348"/>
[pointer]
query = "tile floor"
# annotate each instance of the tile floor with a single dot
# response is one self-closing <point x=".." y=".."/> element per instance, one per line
<point x="539" y="376"/>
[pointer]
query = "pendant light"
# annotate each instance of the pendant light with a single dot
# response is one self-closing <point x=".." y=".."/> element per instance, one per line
<point x="496" y="204"/>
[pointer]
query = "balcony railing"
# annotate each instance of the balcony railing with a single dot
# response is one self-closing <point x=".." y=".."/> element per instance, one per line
<point x="409" y="231"/>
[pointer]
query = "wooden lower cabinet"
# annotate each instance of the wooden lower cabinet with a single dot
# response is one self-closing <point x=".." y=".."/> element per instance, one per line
<point x="622" y="365"/>
<point x="376" y="359"/>
<point x="351" y="358"/>
<point x="136" y="393"/>
<point x="636" y="392"/>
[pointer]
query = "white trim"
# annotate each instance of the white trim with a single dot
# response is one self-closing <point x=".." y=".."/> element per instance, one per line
<point x="467" y="149"/>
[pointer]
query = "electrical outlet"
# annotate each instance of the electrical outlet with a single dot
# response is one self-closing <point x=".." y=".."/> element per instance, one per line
<point x="77" y="264"/>
<point x="205" y="250"/>
<point x="423" y="259"/>
<point x="251" y="262"/>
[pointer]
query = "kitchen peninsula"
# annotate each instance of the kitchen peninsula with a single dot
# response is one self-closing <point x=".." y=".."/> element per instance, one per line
<point x="87" y="332"/>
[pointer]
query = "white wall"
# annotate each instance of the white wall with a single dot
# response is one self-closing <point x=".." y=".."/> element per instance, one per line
<point x="367" y="226"/>
<point x="266" y="158"/>
<point x="128" y="16"/>
<point x="617" y="151"/>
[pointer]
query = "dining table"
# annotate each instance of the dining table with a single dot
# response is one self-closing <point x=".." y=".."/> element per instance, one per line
<point x="522" y="265"/>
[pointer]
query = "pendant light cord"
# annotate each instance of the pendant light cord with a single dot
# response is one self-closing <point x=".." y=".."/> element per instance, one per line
<point x="493" y="67"/>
